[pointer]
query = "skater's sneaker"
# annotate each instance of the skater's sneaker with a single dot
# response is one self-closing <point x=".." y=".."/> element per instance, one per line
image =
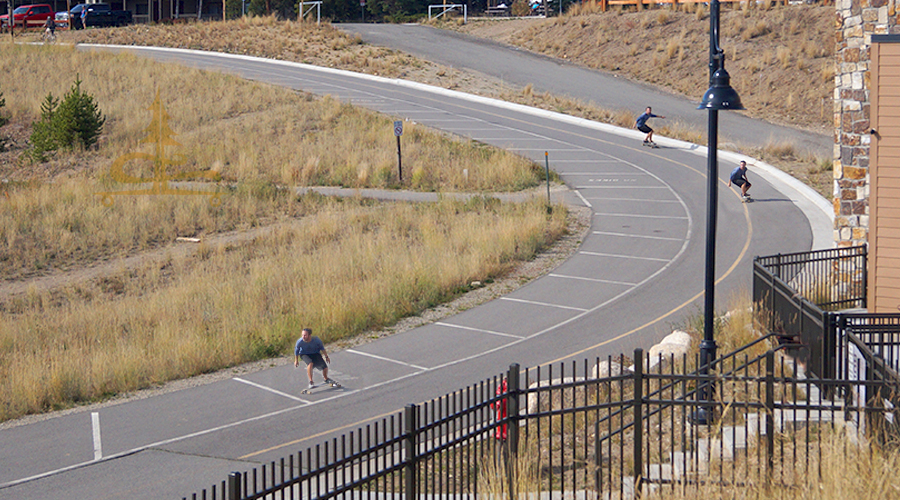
<point x="312" y="385"/>
<point x="330" y="381"/>
<point x="646" y="142"/>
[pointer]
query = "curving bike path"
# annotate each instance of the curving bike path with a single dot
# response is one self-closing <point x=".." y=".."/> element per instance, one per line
<point x="638" y="271"/>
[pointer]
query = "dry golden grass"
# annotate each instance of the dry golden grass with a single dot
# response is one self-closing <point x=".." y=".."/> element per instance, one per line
<point x="343" y="268"/>
<point x="296" y="140"/>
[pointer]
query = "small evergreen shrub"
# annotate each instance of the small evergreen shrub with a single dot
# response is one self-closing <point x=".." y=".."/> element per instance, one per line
<point x="76" y="122"/>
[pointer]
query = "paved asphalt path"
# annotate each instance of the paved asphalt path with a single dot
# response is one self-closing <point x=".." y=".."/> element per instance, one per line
<point x="637" y="272"/>
<point x="520" y="67"/>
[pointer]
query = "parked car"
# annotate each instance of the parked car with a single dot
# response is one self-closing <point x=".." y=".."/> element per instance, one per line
<point x="28" y="16"/>
<point x="62" y="20"/>
<point x="98" y="15"/>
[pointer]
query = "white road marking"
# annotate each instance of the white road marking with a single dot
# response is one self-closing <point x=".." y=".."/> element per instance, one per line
<point x="611" y="186"/>
<point x="606" y="214"/>
<point x="479" y="330"/>
<point x="545" y="304"/>
<point x="580" y="150"/>
<point x="95" y="425"/>
<point x="584" y="200"/>
<point x="595" y="280"/>
<point x="613" y="160"/>
<point x="625" y="235"/>
<point x="641" y="200"/>
<point x="389" y="360"/>
<point x="599" y="254"/>
<point x="269" y="389"/>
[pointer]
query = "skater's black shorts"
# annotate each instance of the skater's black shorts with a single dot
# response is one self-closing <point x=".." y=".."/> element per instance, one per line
<point x="645" y="129"/>
<point x="739" y="182"/>
<point x="314" y="359"/>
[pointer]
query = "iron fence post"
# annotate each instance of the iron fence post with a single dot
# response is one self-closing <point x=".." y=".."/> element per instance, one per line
<point x="865" y="280"/>
<point x="770" y="414"/>
<point x="234" y="486"/>
<point x="638" y="421"/>
<point x="512" y="415"/>
<point x="411" y="467"/>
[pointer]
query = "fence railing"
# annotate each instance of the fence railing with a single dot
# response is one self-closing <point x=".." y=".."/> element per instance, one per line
<point x="798" y="291"/>
<point x="593" y="429"/>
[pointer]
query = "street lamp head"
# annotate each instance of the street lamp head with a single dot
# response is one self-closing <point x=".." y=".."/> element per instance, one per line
<point x="720" y="95"/>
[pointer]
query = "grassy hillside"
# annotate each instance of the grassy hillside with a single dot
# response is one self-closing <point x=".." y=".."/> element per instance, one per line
<point x="780" y="58"/>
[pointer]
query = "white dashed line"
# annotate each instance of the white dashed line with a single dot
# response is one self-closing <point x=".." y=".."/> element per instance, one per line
<point x="634" y="257"/>
<point x="389" y="360"/>
<point x="479" y="330"/>
<point x="98" y="445"/>
<point x="269" y="389"/>
<point x="545" y="304"/>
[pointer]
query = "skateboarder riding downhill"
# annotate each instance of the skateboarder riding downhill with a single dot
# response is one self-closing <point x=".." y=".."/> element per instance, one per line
<point x="641" y="124"/>
<point x="312" y="351"/>
<point x="738" y="177"/>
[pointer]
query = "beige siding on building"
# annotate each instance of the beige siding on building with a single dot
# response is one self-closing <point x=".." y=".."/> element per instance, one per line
<point x="884" y="181"/>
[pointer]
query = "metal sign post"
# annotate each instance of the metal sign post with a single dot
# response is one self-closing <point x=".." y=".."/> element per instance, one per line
<point x="398" y="131"/>
<point x="547" y="169"/>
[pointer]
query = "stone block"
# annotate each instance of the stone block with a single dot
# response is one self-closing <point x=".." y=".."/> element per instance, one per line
<point x="845" y="234"/>
<point x="848" y="194"/>
<point x="838" y="169"/>
<point x="676" y="344"/>
<point x="846" y="209"/>
<point x="605" y="369"/>
<point x="870" y="15"/>
<point x="860" y="234"/>
<point x="854" y="173"/>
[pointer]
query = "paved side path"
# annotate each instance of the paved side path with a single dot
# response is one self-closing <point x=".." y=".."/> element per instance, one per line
<point x="546" y="74"/>
<point x="638" y="270"/>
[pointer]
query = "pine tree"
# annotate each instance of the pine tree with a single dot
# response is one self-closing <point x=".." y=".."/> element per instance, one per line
<point x="42" y="139"/>
<point x="75" y="122"/>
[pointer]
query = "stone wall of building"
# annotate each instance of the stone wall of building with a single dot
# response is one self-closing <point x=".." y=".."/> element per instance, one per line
<point x="856" y="22"/>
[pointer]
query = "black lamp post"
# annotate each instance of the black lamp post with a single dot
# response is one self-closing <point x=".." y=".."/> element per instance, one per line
<point x="720" y="95"/>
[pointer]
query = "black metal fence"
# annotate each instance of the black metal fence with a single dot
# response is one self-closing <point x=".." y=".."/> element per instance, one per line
<point x="609" y="429"/>
<point x="800" y="292"/>
<point x="832" y="279"/>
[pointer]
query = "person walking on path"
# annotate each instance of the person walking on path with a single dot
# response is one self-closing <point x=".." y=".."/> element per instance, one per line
<point x="739" y="178"/>
<point x="641" y="124"/>
<point x="312" y="351"/>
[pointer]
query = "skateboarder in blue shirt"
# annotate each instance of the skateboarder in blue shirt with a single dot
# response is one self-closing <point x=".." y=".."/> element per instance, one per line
<point x="312" y="351"/>
<point x="641" y="124"/>
<point x="739" y="178"/>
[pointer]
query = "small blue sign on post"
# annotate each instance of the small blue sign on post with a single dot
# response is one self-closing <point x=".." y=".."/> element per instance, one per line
<point x="398" y="131"/>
